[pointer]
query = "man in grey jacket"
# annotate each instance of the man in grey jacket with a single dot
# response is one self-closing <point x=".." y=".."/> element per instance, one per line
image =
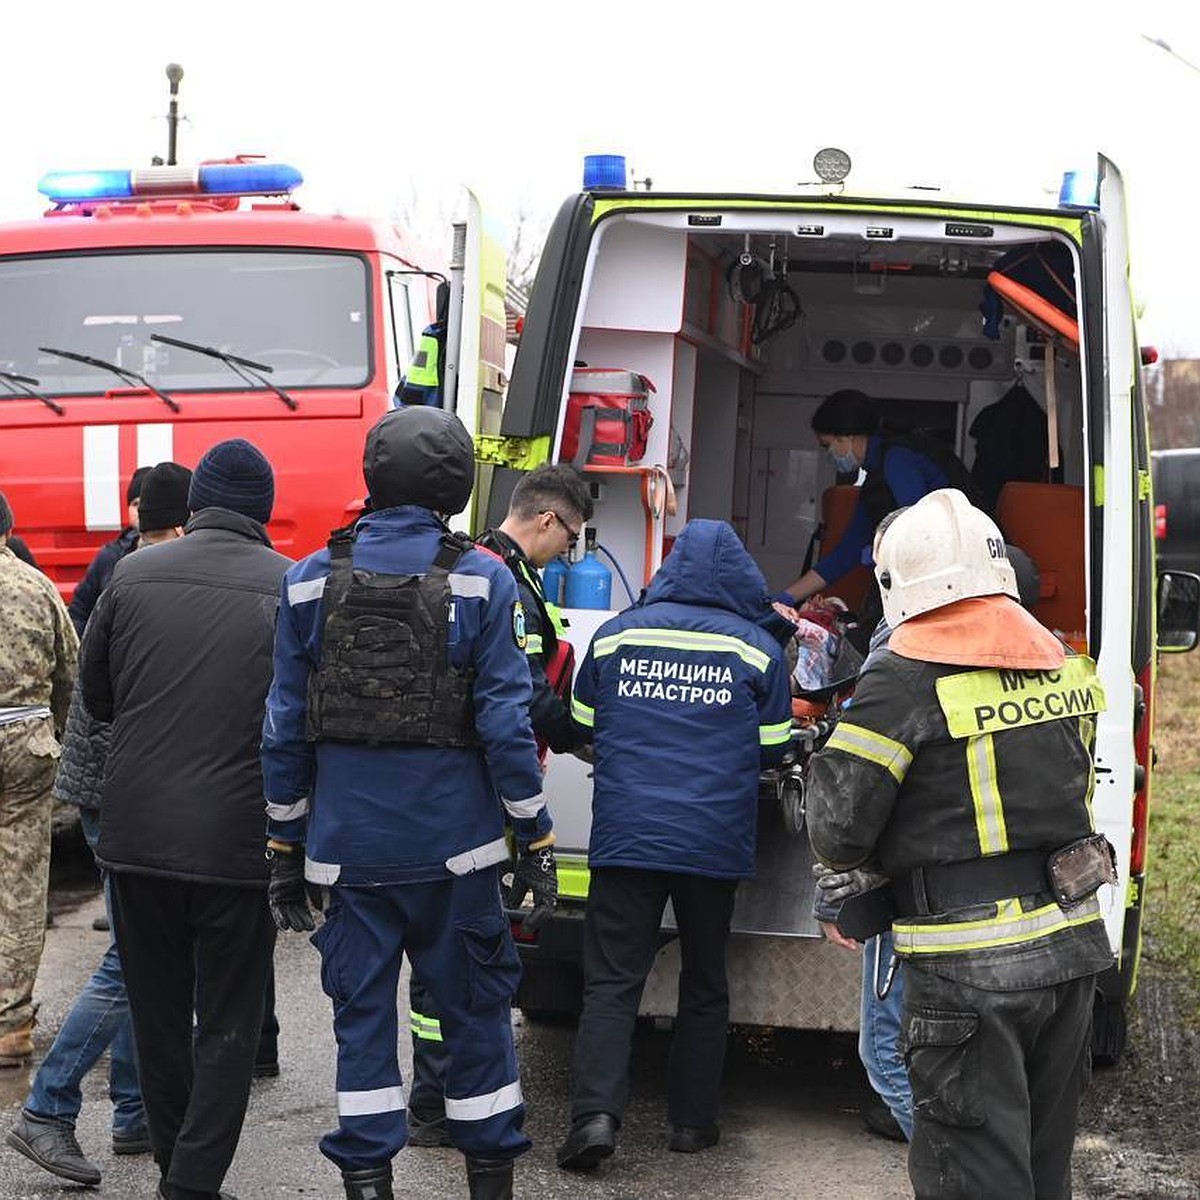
<point x="178" y="657"/>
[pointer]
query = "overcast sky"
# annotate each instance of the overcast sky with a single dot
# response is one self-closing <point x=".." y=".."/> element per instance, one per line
<point x="992" y="99"/>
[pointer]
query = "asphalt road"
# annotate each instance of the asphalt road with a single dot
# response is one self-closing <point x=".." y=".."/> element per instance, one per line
<point x="790" y="1126"/>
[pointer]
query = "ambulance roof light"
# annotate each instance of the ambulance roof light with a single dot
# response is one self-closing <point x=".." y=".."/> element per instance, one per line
<point x="1080" y="189"/>
<point x="211" y="179"/>
<point x="604" y="172"/>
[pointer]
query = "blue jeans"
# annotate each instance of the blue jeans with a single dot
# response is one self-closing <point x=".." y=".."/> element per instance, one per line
<point x="879" y="1033"/>
<point x="98" y="1019"/>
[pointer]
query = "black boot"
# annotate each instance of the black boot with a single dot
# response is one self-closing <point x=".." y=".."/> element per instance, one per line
<point x="369" y="1183"/>
<point x="490" y="1178"/>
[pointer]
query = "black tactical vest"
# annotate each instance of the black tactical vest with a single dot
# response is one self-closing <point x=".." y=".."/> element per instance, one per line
<point x="385" y="677"/>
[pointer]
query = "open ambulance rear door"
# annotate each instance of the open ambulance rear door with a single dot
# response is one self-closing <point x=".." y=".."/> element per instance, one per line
<point x="1122" y="588"/>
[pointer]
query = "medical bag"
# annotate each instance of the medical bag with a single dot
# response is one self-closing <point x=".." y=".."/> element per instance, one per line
<point x="608" y="417"/>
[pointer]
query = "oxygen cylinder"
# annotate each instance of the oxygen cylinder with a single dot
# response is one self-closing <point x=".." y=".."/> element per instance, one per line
<point x="589" y="581"/>
<point x="554" y="577"/>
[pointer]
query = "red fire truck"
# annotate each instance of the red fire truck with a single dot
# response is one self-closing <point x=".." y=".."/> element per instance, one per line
<point x="151" y="313"/>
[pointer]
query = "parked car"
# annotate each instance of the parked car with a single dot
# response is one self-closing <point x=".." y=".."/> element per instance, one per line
<point x="1176" y="482"/>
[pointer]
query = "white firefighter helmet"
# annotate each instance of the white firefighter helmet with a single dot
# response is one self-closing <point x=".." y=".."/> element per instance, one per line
<point x="937" y="551"/>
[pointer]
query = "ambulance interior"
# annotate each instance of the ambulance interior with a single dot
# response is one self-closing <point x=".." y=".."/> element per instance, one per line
<point x="890" y="306"/>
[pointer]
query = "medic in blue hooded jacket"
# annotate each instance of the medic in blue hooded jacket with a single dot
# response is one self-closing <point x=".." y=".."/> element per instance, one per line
<point x="688" y="698"/>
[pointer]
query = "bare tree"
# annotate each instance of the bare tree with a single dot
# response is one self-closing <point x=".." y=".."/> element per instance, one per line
<point x="426" y="215"/>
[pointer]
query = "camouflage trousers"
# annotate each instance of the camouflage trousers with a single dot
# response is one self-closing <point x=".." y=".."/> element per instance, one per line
<point x="28" y="760"/>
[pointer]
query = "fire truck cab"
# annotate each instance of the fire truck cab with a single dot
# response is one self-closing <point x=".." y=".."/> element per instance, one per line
<point x="151" y="313"/>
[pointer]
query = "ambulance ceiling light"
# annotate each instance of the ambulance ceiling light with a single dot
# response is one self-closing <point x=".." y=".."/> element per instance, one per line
<point x="211" y="179"/>
<point x="1080" y="189"/>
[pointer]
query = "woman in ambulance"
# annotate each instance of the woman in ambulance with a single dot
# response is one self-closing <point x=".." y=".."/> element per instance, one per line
<point x="900" y="470"/>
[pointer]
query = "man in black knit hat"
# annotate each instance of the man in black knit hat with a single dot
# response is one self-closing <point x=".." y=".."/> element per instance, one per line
<point x="182" y="822"/>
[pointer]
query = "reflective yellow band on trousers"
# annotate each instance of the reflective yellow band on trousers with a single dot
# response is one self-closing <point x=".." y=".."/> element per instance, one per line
<point x="1009" y="927"/>
<point x="427" y="1028"/>
<point x="976" y="702"/>
<point x="874" y="747"/>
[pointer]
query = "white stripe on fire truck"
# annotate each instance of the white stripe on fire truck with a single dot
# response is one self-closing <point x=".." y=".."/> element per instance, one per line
<point x="102" y="497"/>
<point x="155" y="444"/>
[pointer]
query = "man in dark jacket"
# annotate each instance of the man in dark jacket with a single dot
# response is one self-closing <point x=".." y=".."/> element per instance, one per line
<point x="178" y="657"/>
<point x="99" y="572"/>
<point x="688" y="699"/>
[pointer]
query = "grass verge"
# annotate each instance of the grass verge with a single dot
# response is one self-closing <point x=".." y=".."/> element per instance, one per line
<point x="1173" y="875"/>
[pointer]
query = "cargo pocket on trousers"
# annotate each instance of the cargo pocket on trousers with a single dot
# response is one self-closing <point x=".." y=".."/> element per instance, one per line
<point x="942" y="1054"/>
<point x="493" y="965"/>
<point x="327" y="938"/>
<point x="41" y="742"/>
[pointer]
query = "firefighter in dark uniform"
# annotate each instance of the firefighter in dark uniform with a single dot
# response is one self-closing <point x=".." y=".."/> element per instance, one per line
<point x="399" y="712"/>
<point x="545" y="516"/>
<point x="963" y="771"/>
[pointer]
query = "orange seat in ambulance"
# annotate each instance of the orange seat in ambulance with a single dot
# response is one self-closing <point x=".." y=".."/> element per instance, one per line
<point x="1046" y="521"/>
<point x="837" y="507"/>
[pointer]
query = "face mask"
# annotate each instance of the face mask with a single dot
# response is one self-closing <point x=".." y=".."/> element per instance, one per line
<point x="845" y="463"/>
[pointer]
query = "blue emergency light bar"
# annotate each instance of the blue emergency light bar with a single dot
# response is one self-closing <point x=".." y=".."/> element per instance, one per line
<point x="1080" y="189"/>
<point x="605" y="171"/>
<point x="208" y="179"/>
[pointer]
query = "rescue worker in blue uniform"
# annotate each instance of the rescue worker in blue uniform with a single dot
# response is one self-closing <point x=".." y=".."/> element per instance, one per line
<point x="395" y="743"/>
<point x="546" y="513"/>
<point x="688" y="699"/>
<point x="963" y="773"/>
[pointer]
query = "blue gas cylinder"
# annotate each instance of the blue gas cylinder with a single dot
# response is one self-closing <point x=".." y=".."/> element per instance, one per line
<point x="589" y="581"/>
<point x="554" y="576"/>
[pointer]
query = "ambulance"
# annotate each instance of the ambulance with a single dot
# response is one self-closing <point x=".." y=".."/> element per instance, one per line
<point x="150" y="313"/>
<point x="987" y="326"/>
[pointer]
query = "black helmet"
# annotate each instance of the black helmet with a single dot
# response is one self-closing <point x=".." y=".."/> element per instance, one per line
<point x="419" y="455"/>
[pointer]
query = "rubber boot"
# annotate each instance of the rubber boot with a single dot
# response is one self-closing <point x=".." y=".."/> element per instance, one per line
<point x="369" y="1183"/>
<point x="490" y="1178"/>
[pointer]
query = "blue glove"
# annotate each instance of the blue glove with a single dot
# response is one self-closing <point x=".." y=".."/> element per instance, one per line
<point x="785" y="598"/>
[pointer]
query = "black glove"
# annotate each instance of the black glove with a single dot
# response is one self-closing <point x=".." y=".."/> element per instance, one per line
<point x="837" y="886"/>
<point x="287" y="893"/>
<point x="537" y="872"/>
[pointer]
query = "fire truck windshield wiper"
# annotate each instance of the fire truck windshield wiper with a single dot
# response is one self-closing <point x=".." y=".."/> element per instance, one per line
<point x="18" y="385"/>
<point x="247" y="368"/>
<point x="119" y="372"/>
